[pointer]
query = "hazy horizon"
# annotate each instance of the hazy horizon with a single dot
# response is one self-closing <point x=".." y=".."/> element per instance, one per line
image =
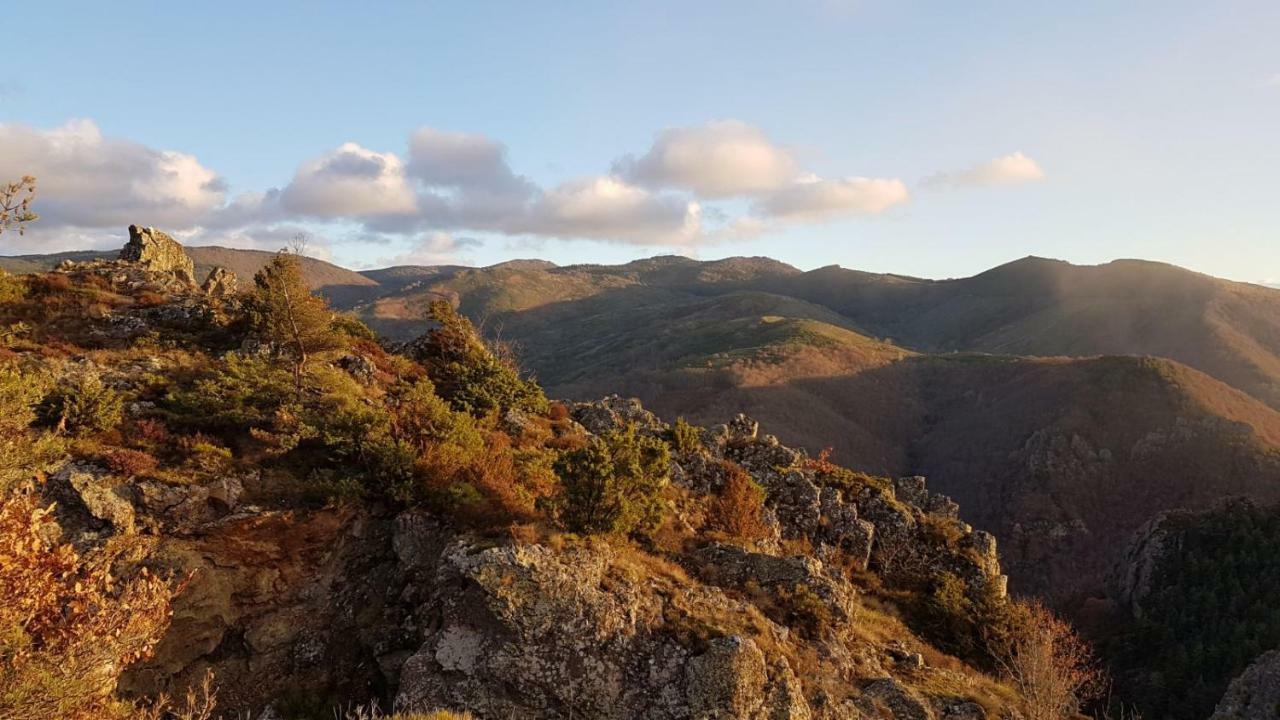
<point x="887" y="137"/>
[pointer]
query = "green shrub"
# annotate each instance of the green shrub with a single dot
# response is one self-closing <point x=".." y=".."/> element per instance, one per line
<point x="684" y="437"/>
<point x="977" y="625"/>
<point x="83" y="404"/>
<point x="22" y="451"/>
<point x="467" y="372"/>
<point x="353" y="327"/>
<point x="614" y="484"/>
<point x="208" y="456"/>
<point x="240" y="392"/>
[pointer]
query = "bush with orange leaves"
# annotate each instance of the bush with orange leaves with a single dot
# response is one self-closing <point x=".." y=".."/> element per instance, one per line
<point x="1050" y="665"/>
<point x="67" y="627"/>
<point x="739" y="508"/>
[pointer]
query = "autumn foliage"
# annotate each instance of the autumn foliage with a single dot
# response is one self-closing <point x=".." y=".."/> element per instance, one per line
<point x="67" y="628"/>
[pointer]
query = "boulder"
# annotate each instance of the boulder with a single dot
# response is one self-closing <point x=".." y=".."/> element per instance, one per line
<point x="887" y="696"/>
<point x="221" y="283"/>
<point x="616" y="413"/>
<point x="86" y="491"/>
<point x="727" y="681"/>
<point x="158" y="252"/>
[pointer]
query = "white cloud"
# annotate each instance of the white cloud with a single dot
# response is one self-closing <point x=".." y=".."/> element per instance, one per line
<point x="350" y="181"/>
<point x="462" y="160"/>
<point x="816" y="199"/>
<point x="607" y="208"/>
<point x="1006" y="169"/>
<point x="1013" y="169"/>
<point x="437" y="248"/>
<point x="89" y="181"/>
<point x="716" y="160"/>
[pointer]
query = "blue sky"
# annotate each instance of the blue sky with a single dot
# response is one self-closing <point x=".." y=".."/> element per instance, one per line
<point x="926" y="138"/>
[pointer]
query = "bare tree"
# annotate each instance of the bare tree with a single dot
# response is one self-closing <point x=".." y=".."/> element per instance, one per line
<point x="15" y="204"/>
<point x="1051" y="665"/>
<point x="299" y="243"/>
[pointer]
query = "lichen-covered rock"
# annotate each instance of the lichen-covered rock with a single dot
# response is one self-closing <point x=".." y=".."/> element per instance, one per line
<point x="85" y="489"/>
<point x="616" y="413"/>
<point x="887" y="695"/>
<point x="158" y="252"/>
<point x="730" y="565"/>
<point x="359" y="367"/>
<point x="181" y="508"/>
<point x="221" y="283"/>
<point x="1255" y="695"/>
<point x="570" y="634"/>
<point x="842" y="528"/>
<point x="727" y="681"/>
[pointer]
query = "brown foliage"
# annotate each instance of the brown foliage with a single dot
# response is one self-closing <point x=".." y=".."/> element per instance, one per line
<point x="1050" y="665"/>
<point x="67" y="627"/>
<point x="123" y="461"/>
<point x="739" y="509"/>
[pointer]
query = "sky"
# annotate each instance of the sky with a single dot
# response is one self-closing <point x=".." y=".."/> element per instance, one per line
<point x="935" y="139"/>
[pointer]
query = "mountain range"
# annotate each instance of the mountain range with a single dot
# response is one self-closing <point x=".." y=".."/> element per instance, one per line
<point x="1061" y="405"/>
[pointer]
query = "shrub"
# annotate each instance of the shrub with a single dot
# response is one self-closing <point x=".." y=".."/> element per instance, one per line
<point x="467" y="373"/>
<point x="614" y="484"/>
<point x="353" y="327"/>
<point x="83" y="404"/>
<point x="241" y="391"/>
<point x="739" y="508"/>
<point x="67" y="630"/>
<point x="1050" y="665"/>
<point x="202" y="453"/>
<point x="124" y="461"/>
<point x="804" y="609"/>
<point x="21" y="451"/>
<point x="12" y="289"/>
<point x="685" y="438"/>
<point x="977" y="625"/>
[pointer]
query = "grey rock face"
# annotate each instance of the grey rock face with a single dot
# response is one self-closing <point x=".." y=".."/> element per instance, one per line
<point x="157" y="251"/>
<point x="1255" y="695"/>
<point x="86" y="488"/>
<point x="568" y="635"/>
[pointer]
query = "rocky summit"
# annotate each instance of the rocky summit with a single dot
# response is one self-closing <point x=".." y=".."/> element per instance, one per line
<point x="156" y="251"/>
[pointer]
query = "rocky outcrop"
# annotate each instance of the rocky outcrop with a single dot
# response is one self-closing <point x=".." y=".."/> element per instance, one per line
<point x="156" y="251"/>
<point x="221" y="283"/>
<point x="351" y="604"/>
<point x="613" y="413"/>
<point x="1255" y="695"/>
<point x="570" y="634"/>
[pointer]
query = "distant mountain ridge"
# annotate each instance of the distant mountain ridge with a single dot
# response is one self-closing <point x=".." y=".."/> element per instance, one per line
<point x="1033" y="392"/>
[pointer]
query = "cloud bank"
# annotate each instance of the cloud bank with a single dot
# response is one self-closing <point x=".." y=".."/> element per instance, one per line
<point x="720" y="181"/>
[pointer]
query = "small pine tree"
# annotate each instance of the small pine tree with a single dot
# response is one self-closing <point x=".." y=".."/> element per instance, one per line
<point x="297" y="322"/>
<point x="614" y="484"/>
<point x="685" y="438"/>
<point x="468" y="373"/>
